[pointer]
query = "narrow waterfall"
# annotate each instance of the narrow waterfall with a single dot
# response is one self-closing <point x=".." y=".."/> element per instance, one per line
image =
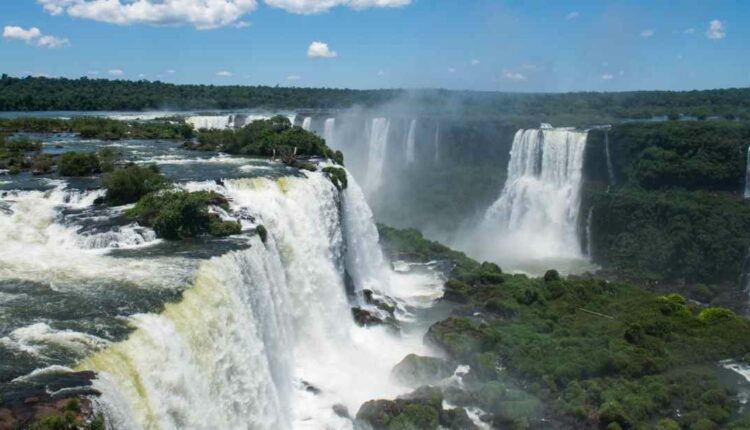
<point x="410" y="155"/>
<point x="307" y="123"/>
<point x="747" y="175"/>
<point x="376" y="153"/>
<point x="260" y="325"/>
<point x="328" y="129"/>
<point x="437" y="144"/>
<point x="589" y="220"/>
<point x="211" y="122"/>
<point x="610" y="170"/>
<point x="536" y="215"/>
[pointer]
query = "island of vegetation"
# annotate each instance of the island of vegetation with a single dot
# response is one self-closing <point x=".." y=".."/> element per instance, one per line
<point x="576" y="352"/>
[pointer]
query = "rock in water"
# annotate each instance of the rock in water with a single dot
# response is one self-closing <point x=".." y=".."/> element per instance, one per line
<point x="415" y="370"/>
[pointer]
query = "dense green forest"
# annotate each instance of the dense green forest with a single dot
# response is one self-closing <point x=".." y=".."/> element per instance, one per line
<point x="579" y="351"/>
<point x="675" y="211"/>
<point x="49" y="94"/>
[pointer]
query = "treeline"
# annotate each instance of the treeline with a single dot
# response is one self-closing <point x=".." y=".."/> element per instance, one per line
<point x="100" y="128"/>
<point x="51" y="94"/>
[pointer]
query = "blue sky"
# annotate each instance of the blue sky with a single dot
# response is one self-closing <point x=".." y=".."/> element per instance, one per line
<point x="503" y="45"/>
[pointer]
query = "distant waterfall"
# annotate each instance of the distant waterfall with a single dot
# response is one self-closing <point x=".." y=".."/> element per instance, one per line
<point x="211" y="122"/>
<point x="376" y="153"/>
<point x="307" y="123"/>
<point x="589" y="220"/>
<point x="610" y="170"/>
<point x="328" y="129"/>
<point x="747" y="174"/>
<point x="410" y="156"/>
<point x="537" y="212"/>
<point x="437" y="144"/>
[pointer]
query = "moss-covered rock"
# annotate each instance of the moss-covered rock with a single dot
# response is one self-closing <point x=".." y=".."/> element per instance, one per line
<point x="415" y="370"/>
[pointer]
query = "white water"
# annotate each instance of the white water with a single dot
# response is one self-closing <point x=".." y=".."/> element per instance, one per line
<point x="747" y="175"/>
<point x="376" y="153"/>
<point x="233" y="352"/>
<point x="410" y="156"/>
<point x="307" y="123"/>
<point x="536" y="216"/>
<point x="211" y="122"/>
<point x="610" y="170"/>
<point x="328" y="130"/>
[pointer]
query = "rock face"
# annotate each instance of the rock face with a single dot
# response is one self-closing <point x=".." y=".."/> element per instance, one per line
<point x="421" y="409"/>
<point x="415" y="370"/>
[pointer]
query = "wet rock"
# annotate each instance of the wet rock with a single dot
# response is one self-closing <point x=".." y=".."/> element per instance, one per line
<point x="416" y="370"/>
<point x="365" y="318"/>
<point x="310" y="388"/>
<point x="385" y="304"/>
<point x="420" y="409"/>
<point x="341" y="410"/>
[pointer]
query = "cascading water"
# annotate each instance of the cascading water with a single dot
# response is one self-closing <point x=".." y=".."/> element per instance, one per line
<point x="610" y="170"/>
<point x="307" y="123"/>
<point x="211" y="122"/>
<point x="376" y="153"/>
<point x="261" y="324"/>
<point x="536" y="215"/>
<point x="328" y="130"/>
<point x="410" y="142"/>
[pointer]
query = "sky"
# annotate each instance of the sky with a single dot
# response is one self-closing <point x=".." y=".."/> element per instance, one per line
<point x="495" y="45"/>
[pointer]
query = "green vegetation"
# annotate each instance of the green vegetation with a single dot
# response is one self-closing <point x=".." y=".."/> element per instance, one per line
<point x="596" y="354"/>
<point x="101" y="128"/>
<point x="69" y="417"/>
<point x="181" y="214"/>
<point x="579" y="109"/>
<point x="129" y="184"/>
<point x="78" y="164"/>
<point x="271" y="137"/>
<point x="18" y="153"/>
<point x="337" y="175"/>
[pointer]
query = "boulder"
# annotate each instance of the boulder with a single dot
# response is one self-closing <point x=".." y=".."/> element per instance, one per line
<point x="415" y="370"/>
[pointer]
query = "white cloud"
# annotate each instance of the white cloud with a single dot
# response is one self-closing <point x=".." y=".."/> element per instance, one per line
<point x="33" y="36"/>
<point x="475" y="62"/>
<point x="224" y="74"/>
<point x="451" y="70"/>
<point x="514" y="76"/>
<point x="202" y="14"/>
<point x="293" y="78"/>
<point x="13" y="32"/>
<point x="242" y="24"/>
<point x="115" y="72"/>
<point x="690" y="30"/>
<point x="716" y="30"/>
<point x="92" y="73"/>
<point x="607" y="77"/>
<point x="647" y="33"/>
<point x="320" y="50"/>
<point x="171" y="71"/>
<point x="573" y="15"/>
<point x="307" y="7"/>
<point x="141" y="75"/>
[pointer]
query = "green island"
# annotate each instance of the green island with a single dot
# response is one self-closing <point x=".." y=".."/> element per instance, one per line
<point x="578" y="351"/>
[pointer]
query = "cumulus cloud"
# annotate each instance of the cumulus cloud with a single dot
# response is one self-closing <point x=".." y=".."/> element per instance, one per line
<point x="514" y="76"/>
<point x="647" y="33"/>
<point x="716" y="30"/>
<point x="320" y="50"/>
<point x="224" y="74"/>
<point x="202" y="14"/>
<point x="115" y="72"/>
<point x="34" y="36"/>
<point x="573" y="15"/>
<point x="607" y="77"/>
<point x="307" y="7"/>
<point x="171" y="71"/>
<point x="293" y="78"/>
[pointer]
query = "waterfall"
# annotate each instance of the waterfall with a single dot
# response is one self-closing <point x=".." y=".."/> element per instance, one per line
<point x="259" y="324"/>
<point x="376" y="153"/>
<point x="747" y="175"/>
<point x="589" y="220"/>
<point x="307" y="123"/>
<point x="437" y="144"/>
<point x="410" y="157"/>
<point x="330" y="125"/>
<point x="610" y="170"/>
<point x="536" y="215"/>
<point x="211" y="122"/>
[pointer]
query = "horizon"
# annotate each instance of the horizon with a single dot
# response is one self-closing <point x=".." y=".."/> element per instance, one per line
<point x="491" y="46"/>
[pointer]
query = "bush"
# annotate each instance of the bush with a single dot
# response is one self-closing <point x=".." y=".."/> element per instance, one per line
<point x="42" y="164"/>
<point x="78" y="164"/>
<point x="715" y="315"/>
<point x="180" y="214"/>
<point x="129" y="184"/>
<point x="337" y="175"/>
<point x="262" y="232"/>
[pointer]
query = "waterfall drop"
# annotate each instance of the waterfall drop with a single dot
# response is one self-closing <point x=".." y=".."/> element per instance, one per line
<point x="307" y="123"/>
<point x="328" y="129"/>
<point x="610" y="170"/>
<point x="376" y="153"/>
<point x="410" y="143"/>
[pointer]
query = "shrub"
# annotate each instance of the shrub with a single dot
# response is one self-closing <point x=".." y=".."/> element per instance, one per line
<point x="551" y="276"/>
<point x="262" y="232"/>
<point x="42" y="164"/>
<point x="337" y="175"/>
<point x="180" y="214"/>
<point x="715" y="315"/>
<point x="129" y="184"/>
<point x="78" y="164"/>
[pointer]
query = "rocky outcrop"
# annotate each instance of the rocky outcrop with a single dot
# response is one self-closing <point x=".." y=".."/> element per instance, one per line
<point x="415" y="370"/>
